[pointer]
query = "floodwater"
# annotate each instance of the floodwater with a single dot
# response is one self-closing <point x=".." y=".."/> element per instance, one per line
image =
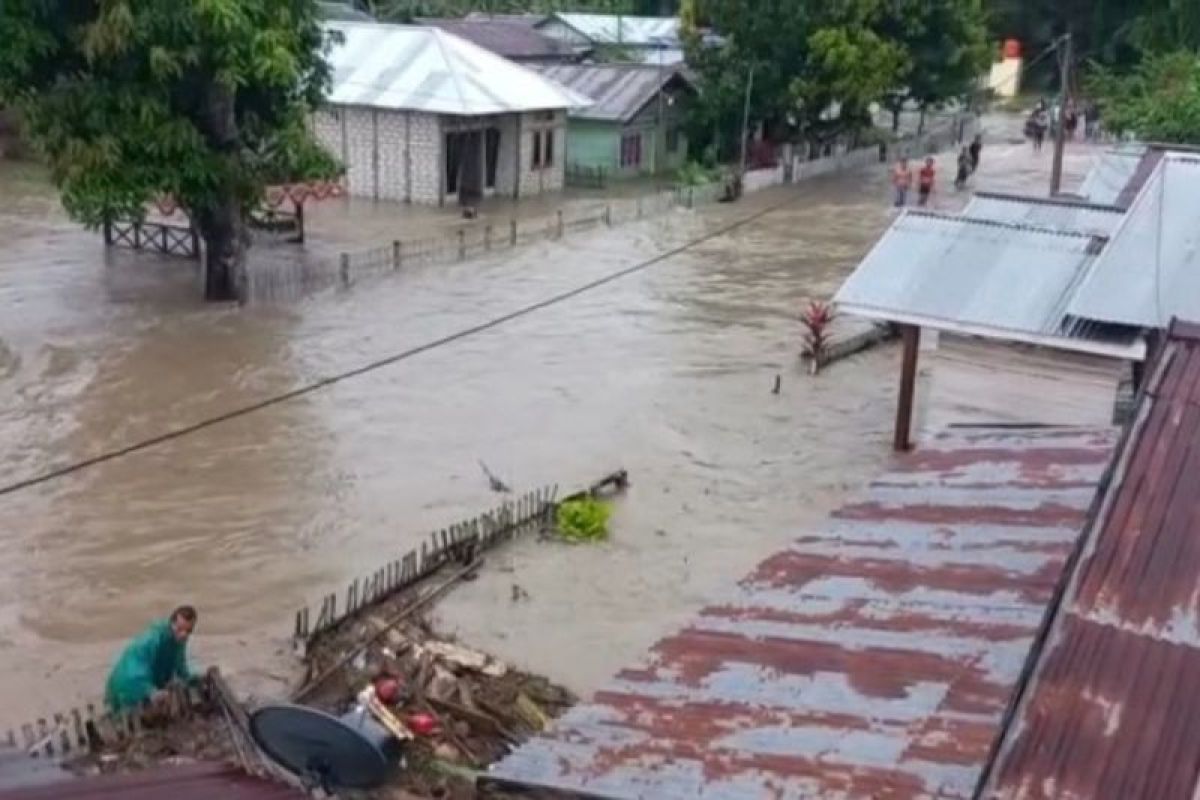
<point x="666" y="372"/>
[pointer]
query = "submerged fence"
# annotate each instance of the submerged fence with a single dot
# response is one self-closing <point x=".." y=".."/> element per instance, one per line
<point x="458" y="543"/>
<point x="290" y="280"/>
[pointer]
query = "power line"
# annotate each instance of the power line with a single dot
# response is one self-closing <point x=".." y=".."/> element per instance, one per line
<point x="187" y="430"/>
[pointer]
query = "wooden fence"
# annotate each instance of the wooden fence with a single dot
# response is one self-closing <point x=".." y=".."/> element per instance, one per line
<point x="166" y="238"/>
<point x="457" y="543"/>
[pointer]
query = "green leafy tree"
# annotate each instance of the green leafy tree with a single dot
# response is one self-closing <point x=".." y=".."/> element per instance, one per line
<point x="946" y="42"/>
<point x="204" y="100"/>
<point x="1159" y="100"/>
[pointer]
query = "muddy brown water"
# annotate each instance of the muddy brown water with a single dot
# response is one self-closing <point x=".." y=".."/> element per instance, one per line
<point x="666" y="372"/>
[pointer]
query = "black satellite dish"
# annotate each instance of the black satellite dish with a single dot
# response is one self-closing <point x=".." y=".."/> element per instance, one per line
<point x="353" y="752"/>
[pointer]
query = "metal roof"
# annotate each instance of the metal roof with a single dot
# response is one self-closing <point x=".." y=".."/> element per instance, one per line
<point x="511" y="38"/>
<point x="1111" y="173"/>
<point x="995" y="279"/>
<point x="1150" y="270"/>
<point x="1056" y="214"/>
<point x="1113" y="705"/>
<point x="622" y="29"/>
<point x="415" y="68"/>
<point x="619" y="91"/>
<point x="188" y="782"/>
<point x="872" y="658"/>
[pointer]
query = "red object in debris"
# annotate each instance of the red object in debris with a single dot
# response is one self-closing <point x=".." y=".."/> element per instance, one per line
<point x="422" y="724"/>
<point x="387" y="689"/>
<point x="1012" y="48"/>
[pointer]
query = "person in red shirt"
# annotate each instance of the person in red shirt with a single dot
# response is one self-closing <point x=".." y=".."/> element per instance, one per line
<point x="925" y="180"/>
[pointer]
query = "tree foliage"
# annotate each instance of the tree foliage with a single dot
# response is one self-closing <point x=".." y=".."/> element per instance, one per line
<point x="1159" y="100"/>
<point x="205" y="100"/>
<point x="820" y="64"/>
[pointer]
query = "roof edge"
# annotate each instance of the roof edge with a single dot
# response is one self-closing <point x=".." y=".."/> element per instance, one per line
<point x="1012" y="226"/>
<point x="1183" y="329"/>
<point x="1060" y="200"/>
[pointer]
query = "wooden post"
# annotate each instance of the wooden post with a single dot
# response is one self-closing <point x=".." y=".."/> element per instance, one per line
<point x="108" y="239"/>
<point x="395" y="254"/>
<point x="512" y="232"/>
<point x="137" y="235"/>
<point x="462" y="244"/>
<point x="344" y="269"/>
<point x="608" y="214"/>
<point x="560" y="223"/>
<point x="911" y="336"/>
<point x="166" y="247"/>
<point x="487" y="238"/>
<point x="195" y="241"/>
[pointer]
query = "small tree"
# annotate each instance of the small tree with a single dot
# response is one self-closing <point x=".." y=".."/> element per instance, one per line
<point x="1158" y="101"/>
<point x="203" y="100"/>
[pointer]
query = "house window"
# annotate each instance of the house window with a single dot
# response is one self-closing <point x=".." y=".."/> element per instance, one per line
<point x="537" y="150"/>
<point x="673" y="139"/>
<point x="631" y="150"/>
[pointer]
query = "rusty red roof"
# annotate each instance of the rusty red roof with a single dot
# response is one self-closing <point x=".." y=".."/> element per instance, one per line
<point x="186" y="782"/>
<point x="872" y="658"/>
<point x="1113" y="706"/>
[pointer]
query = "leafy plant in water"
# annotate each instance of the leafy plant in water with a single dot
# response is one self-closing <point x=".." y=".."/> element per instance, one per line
<point x="583" y="520"/>
<point x="816" y="319"/>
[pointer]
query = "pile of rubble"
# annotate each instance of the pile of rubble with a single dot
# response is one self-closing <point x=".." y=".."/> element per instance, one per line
<point x="456" y="710"/>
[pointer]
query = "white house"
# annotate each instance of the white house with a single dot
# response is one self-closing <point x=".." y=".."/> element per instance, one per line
<point x="421" y="116"/>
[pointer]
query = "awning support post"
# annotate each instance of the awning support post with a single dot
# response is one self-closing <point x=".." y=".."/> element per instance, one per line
<point x="911" y="336"/>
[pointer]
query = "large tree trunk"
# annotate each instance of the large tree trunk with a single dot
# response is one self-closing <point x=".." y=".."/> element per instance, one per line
<point x="224" y="232"/>
<point x="223" y="224"/>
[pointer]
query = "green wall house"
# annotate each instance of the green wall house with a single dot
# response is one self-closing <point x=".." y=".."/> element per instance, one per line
<point x="635" y="124"/>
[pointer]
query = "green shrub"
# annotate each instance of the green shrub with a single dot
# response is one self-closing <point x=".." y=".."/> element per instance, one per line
<point x="696" y="174"/>
<point x="583" y="520"/>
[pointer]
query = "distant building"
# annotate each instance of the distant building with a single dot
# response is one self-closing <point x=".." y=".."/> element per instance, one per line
<point x="421" y="116"/>
<point x="649" y="40"/>
<point x="343" y="11"/>
<point x="511" y="36"/>
<point x="635" y="123"/>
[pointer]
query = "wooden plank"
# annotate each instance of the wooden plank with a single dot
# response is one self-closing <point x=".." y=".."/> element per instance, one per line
<point x="902" y="438"/>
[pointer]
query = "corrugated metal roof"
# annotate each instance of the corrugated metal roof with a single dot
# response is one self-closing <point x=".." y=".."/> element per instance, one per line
<point x="414" y="68"/>
<point x="1002" y="280"/>
<point x="1111" y="173"/>
<point x="623" y="29"/>
<point x="619" y="91"/>
<point x="873" y="658"/>
<point x="1113" y="707"/>
<point x="1061" y="215"/>
<point x="189" y="782"/>
<point x="1150" y="270"/>
<point x="514" y="39"/>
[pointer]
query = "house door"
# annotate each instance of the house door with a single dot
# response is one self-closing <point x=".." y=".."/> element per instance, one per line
<point x="464" y="166"/>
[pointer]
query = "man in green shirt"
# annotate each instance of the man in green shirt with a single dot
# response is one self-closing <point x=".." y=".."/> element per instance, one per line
<point x="151" y="661"/>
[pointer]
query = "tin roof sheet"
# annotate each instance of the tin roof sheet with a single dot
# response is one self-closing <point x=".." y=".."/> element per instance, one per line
<point x="623" y="29"/>
<point x="1150" y="270"/>
<point x="996" y="279"/>
<point x="1113" y="707"/>
<point x="619" y="91"/>
<point x="511" y="38"/>
<point x="1111" y="173"/>
<point x="1059" y="215"/>
<point x="871" y="658"/>
<point x="187" y="782"/>
<point x="415" y="68"/>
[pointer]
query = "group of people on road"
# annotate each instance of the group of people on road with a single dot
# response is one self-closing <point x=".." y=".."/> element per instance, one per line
<point x="1044" y="119"/>
<point x="926" y="177"/>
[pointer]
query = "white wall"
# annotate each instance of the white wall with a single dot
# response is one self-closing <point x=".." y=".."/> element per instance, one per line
<point x="389" y="155"/>
<point x="546" y="179"/>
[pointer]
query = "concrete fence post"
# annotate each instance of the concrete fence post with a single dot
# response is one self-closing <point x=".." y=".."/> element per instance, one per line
<point x="608" y="214"/>
<point x="462" y="244"/>
<point x="396" y="255"/>
<point x="512" y="232"/>
<point x="344" y="269"/>
<point x="560" y="223"/>
<point x="487" y="238"/>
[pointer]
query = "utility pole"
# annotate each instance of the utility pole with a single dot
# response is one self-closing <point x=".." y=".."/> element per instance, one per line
<point x="1060" y="134"/>
<point x="746" y="118"/>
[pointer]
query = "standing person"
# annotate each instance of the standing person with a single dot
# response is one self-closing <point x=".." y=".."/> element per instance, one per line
<point x="925" y="180"/>
<point x="1071" y="121"/>
<point x="902" y="181"/>
<point x="151" y="661"/>
<point x="975" y="151"/>
<point x="964" y="169"/>
<point x="1040" y="124"/>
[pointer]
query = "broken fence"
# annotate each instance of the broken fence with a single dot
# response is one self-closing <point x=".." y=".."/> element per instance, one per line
<point x="457" y="543"/>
